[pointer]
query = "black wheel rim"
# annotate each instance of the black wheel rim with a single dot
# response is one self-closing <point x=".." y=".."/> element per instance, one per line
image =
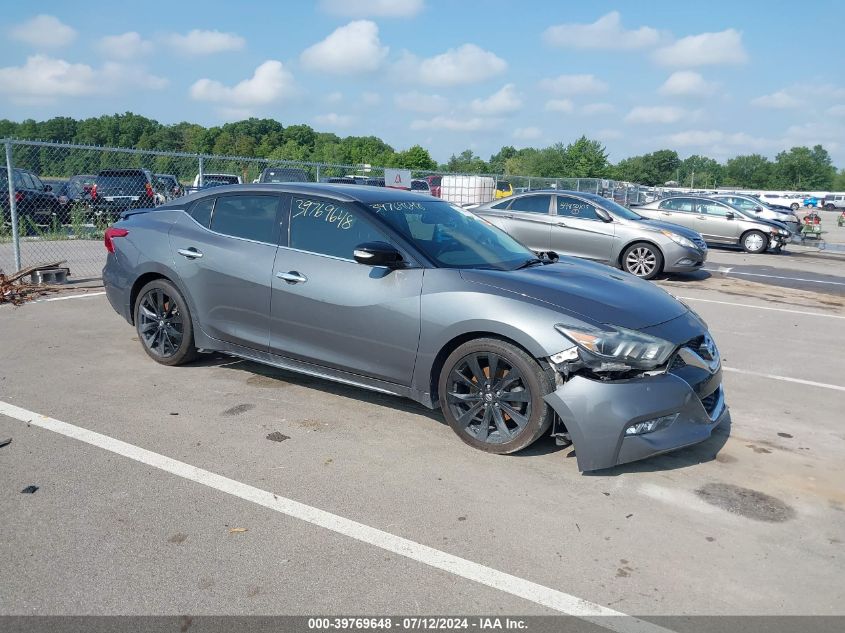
<point x="489" y="398"/>
<point x="160" y="324"/>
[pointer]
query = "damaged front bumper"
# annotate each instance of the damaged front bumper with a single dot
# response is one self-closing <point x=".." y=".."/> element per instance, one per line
<point x="596" y="414"/>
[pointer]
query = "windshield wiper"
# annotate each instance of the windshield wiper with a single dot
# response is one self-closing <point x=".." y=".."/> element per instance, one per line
<point x="529" y="262"/>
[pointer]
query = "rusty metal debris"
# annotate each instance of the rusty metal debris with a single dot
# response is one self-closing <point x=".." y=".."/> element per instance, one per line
<point x="14" y="290"/>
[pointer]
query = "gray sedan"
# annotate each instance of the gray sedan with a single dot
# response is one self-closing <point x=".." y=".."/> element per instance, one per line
<point x="718" y="222"/>
<point x="589" y="226"/>
<point x="408" y="295"/>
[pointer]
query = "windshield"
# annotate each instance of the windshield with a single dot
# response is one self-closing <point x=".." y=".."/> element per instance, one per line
<point x="611" y="206"/>
<point x="452" y="237"/>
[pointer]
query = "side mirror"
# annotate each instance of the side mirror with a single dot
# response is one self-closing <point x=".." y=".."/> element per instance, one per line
<point x="377" y="254"/>
<point x="604" y="216"/>
<point x="758" y="209"/>
<point x="729" y="215"/>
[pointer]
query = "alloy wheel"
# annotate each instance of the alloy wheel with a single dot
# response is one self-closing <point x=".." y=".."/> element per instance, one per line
<point x="641" y="261"/>
<point x="160" y="323"/>
<point x="754" y="242"/>
<point x="489" y="398"/>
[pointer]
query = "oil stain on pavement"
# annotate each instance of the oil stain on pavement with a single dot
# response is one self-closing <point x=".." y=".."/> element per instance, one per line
<point x="745" y="502"/>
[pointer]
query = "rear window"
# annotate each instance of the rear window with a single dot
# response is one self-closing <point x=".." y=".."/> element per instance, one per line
<point x="221" y="179"/>
<point x="122" y="179"/>
<point x="284" y="175"/>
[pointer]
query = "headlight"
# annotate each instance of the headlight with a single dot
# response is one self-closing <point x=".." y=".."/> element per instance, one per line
<point x="679" y="239"/>
<point x="783" y="232"/>
<point x="618" y="348"/>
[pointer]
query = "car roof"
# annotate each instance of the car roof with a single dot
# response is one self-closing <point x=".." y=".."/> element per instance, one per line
<point x="342" y="192"/>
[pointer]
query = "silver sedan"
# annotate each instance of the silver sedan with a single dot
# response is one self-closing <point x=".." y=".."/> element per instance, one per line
<point x="592" y="227"/>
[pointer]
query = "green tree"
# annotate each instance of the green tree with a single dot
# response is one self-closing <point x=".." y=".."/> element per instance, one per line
<point x="652" y="169"/>
<point x="804" y="168"/>
<point x="466" y="162"/>
<point x="415" y="157"/>
<point x="586" y="159"/>
<point x="700" y="171"/>
<point x="752" y="171"/>
<point x="839" y="181"/>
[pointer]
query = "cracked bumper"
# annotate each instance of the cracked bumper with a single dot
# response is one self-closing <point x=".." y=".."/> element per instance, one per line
<point x="597" y="413"/>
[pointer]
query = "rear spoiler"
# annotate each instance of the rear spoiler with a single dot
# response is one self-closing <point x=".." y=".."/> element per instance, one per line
<point x="130" y="212"/>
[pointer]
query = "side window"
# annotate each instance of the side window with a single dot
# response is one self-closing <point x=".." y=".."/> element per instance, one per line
<point x="26" y="180"/>
<point x="713" y="208"/>
<point x="532" y="204"/>
<point x="574" y="208"/>
<point x="36" y="183"/>
<point x="201" y="211"/>
<point x="501" y="205"/>
<point x="250" y="217"/>
<point x="328" y="228"/>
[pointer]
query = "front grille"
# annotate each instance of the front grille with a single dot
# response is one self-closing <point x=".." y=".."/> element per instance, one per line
<point x="700" y="243"/>
<point x="711" y="402"/>
<point x="677" y="363"/>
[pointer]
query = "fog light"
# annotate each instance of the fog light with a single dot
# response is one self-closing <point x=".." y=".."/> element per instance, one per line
<point x="650" y="426"/>
<point x="685" y="262"/>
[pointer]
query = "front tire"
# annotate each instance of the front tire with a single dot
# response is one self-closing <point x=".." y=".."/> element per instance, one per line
<point x="491" y="394"/>
<point x="795" y="206"/>
<point x="163" y="323"/>
<point x="754" y="242"/>
<point x="643" y="260"/>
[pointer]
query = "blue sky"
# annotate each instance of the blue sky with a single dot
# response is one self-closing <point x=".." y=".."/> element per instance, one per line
<point x="718" y="78"/>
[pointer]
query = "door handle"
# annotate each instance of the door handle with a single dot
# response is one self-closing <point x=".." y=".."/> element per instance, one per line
<point x="292" y="277"/>
<point x="665" y="213"/>
<point x="190" y="253"/>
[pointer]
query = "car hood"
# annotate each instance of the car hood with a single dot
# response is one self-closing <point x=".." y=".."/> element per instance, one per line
<point x="588" y="291"/>
<point x="658" y="225"/>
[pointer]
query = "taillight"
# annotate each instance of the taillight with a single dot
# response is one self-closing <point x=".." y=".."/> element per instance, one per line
<point x="93" y="192"/>
<point x="149" y="189"/>
<point x="112" y="233"/>
<point x="19" y="196"/>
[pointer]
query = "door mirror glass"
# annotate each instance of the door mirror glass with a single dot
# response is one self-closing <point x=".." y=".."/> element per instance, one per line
<point x="603" y="215"/>
<point x="729" y="215"/>
<point x="377" y="254"/>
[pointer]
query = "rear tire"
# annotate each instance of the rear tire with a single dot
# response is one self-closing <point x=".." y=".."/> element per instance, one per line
<point x="643" y="260"/>
<point x="163" y="323"/>
<point x="491" y="394"/>
<point x="754" y="242"/>
<point x="795" y="206"/>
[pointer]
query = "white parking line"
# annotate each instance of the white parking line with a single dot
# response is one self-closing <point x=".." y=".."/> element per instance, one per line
<point x="727" y="271"/>
<point x="748" y="305"/>
<point x="538" y="594"/>
<point x="800" y="381"/>
<point x="66" y="297"/>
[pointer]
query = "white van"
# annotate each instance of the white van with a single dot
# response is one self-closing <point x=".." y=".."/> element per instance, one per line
<point x="229" y="179"/>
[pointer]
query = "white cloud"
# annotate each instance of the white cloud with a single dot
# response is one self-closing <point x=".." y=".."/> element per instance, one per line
<point x="574" y="84"/>
<point x="609" y="134"/>
<point x="837" y="110"/>
<point x="332" y="119"/>
<point x="716" y="139"/>
<point x="686" y="83"/>
<point x="705" y="49"/>
<point x="373" y="8"/>
<point x="472" y="124"/>
<point x="334" y="97"/>
<point x="44" y="79"/>
<point x="501" y="102"/>
<point x="353" y="48"/>
<point x="370" y="98"/>
<point x="780" y="100"/>
<point x="198" y="42"/>
<point x="44" y="31"/>
<point x="527" y="133"/>
<point x="271" y="82"/>
<point x="655" y="114"/>
<point x="597" y="108"/>
<point x="605" y="33"/>
<point x="419" y="102"/>
<point x="126" y="46"/>
<point x="466" y="64"/>
<point x="560" y="105"/>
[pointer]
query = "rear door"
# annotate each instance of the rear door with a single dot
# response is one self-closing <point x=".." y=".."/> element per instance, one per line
<point x="329" y="310"/>
<point x="529" y="220"/>
<point x="578" y="230"/>
<point x="224" y="252"/>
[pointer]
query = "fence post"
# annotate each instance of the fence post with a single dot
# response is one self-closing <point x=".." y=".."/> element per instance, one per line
<point x="201" y="170"/>
<point x="13" y="206"/>
<point x="318" y="173"/>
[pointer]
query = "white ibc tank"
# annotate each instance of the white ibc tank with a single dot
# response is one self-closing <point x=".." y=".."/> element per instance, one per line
<point x="467" y="189"/>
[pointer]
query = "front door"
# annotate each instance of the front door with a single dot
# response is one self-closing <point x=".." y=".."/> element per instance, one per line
<point x="717" y="222"/>
<point x="330" y="310"/>
<point x="578" y="230"/>
<point x="224" y="252"/>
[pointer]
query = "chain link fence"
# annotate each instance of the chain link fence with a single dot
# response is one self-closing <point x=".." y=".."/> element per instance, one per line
<point x="56" y="199"/>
